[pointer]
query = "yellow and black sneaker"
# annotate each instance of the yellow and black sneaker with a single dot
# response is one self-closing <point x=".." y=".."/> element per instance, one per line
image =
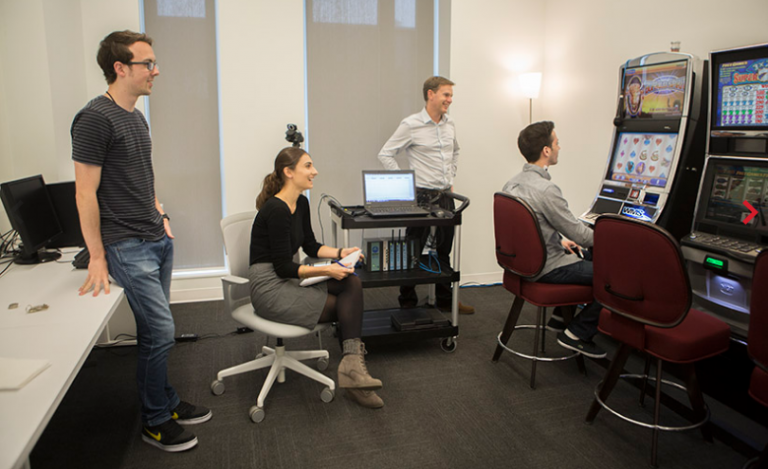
<point x="169" y="436"/>
<point x="188" y="414"/>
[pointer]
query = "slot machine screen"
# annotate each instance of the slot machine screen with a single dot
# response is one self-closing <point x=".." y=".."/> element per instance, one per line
<point x="728" y="184"/>
<point x="655" y="91"/>
<point x="643" y="158"/>
<point x="741" y="94"/>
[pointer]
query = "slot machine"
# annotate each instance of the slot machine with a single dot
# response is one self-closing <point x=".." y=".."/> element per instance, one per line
<point x="658" y="145"/>
<point x="729" y="226"/>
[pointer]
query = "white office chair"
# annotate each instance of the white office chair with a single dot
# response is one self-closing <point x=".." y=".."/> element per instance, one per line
<point x="237" y="237"/>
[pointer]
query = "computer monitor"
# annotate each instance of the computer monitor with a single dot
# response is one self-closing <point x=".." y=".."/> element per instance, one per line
<point x="655" y="91"/>
<point x="62" y="195"/>
<point x="642" y="158"/>
<point x="32" y="215"/>
<point x="740" y="89"/>
<point x="727" y="184"/>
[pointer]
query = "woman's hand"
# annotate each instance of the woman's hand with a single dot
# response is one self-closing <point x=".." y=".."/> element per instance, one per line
<point x="339" y="271"/>
<point x="347" y="251"/>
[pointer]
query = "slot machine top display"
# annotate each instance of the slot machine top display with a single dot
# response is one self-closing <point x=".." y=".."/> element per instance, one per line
<point x="655" y="100"/>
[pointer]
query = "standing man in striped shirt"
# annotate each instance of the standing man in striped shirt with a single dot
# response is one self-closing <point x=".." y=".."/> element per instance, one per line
<point x="126" y="230"/>
<point x="428" y="138"/>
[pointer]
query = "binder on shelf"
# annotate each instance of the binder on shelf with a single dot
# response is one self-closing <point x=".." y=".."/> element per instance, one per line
<point x="374" y="251"/>
<point x="414" y="252"/>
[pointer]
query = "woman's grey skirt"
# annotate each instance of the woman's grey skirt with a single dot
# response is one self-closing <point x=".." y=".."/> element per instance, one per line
<point x="283" y="300"/>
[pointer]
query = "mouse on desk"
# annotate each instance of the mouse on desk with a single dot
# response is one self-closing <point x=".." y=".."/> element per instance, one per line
<point x="439" y="213"/>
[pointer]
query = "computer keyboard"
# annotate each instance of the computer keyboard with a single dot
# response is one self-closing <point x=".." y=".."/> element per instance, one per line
<point x="393" y="211"/>
<point x="724" y="243"/>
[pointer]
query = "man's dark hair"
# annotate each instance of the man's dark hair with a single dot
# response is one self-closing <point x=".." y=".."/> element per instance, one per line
<point x="434" y="84"/>
<point x="534" y="138"/>
<point x="114" y="48"/>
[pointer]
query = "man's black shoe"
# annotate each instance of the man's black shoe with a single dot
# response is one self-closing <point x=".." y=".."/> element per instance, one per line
<point x="188" y="414"/>
<point x="169" y="436"/>
<point x="556" y="324"/>
<point x="589" y="349"/>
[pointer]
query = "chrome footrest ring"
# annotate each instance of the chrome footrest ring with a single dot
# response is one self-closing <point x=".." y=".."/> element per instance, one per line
<point x="532" y="357"/>
<point x="645" y="424"/>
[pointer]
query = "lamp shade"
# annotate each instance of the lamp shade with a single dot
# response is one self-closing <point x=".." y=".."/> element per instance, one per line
<point x="530" y="84"/>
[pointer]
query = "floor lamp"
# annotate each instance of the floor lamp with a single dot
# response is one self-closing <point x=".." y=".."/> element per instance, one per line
<point x="530" y="84"/>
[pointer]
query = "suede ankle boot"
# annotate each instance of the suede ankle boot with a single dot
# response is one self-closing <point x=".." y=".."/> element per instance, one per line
<point x="365" y="398"/>
<point x="352" y="370"/>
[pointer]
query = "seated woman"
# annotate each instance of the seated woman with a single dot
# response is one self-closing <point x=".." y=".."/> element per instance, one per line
<point x="280" y="228"/>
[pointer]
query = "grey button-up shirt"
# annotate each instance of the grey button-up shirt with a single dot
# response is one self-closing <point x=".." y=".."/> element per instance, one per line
<point x="432" y="149"/>
<point x="534" y="185"/>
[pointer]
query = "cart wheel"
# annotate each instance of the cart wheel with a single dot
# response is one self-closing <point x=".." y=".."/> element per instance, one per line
<point x="327" y="395"/>
<point x="217" y="388"/>
<point x="322" y="364"/>
<point x="257" y="414"/>
<point x="448" y="345"/>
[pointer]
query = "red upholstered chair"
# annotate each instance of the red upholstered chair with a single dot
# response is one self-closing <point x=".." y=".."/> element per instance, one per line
<point x="757" y="343"/>
<point x="641" y="280"/>
<point x="521" y="252"/>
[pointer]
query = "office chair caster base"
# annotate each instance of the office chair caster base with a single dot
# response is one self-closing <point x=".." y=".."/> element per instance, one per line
<point x="448" y="345"/>
<point x="257" y="414"/>
<point x="322" y="364"/>
<point x="217" y="387"/>
<point x="327" y="395"/>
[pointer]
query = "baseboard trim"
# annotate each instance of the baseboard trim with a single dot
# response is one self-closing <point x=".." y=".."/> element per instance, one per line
<point x="482" y="279"/>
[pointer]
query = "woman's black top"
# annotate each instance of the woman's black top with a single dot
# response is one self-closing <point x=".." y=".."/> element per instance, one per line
<point x="277" y="235"/>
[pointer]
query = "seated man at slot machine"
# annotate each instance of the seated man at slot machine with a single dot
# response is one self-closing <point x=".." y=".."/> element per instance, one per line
<point x="564" y="235"/>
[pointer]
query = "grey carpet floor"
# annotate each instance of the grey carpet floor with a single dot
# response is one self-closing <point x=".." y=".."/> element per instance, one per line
<point x="456" y="410"/>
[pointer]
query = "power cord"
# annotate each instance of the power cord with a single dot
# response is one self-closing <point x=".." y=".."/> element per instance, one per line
<point x="430" y="268"/>
<point x="319" y="218"/>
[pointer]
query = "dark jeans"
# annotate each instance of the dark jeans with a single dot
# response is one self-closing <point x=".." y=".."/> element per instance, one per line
<point x="584" y="325"/>
<point x="143" y="268"/>
<point x="444" y="244"/>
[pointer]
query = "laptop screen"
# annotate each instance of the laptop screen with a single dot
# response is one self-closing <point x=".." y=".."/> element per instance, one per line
<point x="389" y="186"/>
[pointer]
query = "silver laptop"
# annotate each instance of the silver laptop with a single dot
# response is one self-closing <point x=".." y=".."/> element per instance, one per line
<point x="391" y="194"/>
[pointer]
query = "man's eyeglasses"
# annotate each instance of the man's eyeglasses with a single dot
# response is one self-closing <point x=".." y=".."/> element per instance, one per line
<point x="150" y="65"/>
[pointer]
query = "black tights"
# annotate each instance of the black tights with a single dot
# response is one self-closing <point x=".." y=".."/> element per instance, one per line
<point x="344" y="305"/>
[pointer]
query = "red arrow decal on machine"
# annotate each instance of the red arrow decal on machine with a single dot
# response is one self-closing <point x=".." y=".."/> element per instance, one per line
<point x="752" y="213"/>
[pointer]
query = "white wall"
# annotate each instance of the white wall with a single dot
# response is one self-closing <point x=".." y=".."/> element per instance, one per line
<point x="27" y="102"/>
<point x="6" y="162"/>
<point x="491" y="43"/>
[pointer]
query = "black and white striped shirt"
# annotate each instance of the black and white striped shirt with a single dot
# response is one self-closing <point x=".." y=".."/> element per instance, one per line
<point x="106" y="135"/>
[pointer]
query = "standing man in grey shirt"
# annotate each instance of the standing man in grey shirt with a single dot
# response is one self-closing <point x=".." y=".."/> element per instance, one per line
<point x="429" y="140"/>
<point x="126" y="230"/>
<point x="563" y="234"/>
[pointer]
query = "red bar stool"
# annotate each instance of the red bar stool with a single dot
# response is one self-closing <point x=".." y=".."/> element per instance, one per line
<point x="521" y="252"/>
<point x="641" y="280"/>
<point x="757" y="345"/>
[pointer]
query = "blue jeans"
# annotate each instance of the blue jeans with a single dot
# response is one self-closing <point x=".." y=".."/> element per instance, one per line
<point x="584" y="324"/>
<point x="143" y="268"/>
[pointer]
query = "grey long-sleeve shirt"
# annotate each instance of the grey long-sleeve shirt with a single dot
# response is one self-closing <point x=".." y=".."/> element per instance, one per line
<point x="534" y="185"/>
<point x="432" y="149"/>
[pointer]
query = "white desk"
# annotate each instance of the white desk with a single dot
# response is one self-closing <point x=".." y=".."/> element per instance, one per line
<point x="63" y="335"/>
